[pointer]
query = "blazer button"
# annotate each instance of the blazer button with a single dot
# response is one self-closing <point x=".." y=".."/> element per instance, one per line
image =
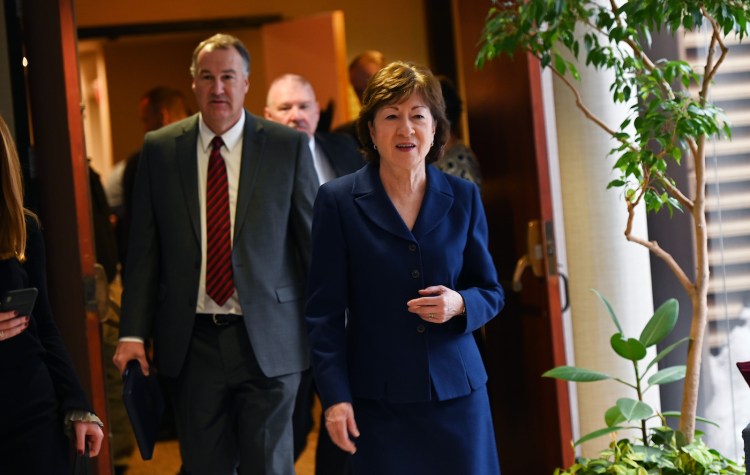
<point x="420" y="328"/>
<point x="415" y="274"/>
<point x="412" y="247"/>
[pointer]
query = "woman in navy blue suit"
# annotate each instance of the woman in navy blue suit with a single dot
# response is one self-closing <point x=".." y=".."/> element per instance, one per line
<point x="40" y="395"/>
<point x="400" y="278"/>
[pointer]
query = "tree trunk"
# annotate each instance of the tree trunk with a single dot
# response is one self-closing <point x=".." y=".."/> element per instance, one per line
<point x="699" y="297"/>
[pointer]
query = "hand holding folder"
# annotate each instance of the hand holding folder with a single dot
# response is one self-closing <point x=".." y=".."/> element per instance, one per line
<point x="145" y="406"/>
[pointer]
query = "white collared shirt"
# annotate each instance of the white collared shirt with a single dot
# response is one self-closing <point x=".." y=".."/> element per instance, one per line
<point x="323" y="167"/>
<point x="232" y="153"/>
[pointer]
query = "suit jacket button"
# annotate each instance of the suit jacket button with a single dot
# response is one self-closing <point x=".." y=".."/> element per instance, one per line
<point x="412" y="247"/>
<point x="420" y="328"/>
<point x="415" y="274"/>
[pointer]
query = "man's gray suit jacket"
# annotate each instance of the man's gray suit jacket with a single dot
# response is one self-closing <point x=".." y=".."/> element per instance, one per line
<point x="271" y="244"/>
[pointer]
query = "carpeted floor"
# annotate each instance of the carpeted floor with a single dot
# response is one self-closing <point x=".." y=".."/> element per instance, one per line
<point x="166" y="460"/>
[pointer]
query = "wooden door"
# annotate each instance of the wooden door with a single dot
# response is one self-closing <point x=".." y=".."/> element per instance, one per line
<point x="506" y="126"/>
<point x="313" y="47"/>
<point x="61" y="183"/>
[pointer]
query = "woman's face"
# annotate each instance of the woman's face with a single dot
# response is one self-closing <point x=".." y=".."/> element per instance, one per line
<point x="403" y="133"/>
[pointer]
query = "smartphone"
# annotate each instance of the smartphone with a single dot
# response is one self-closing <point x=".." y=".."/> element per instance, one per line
<point x="19" y="300"/>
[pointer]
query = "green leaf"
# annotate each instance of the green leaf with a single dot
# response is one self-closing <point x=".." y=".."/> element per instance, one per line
<point x="699" y="453"/>
<point x="634" y="410"/>
<point x="661" y="324"/>
<point x="613" y="416"/>
<point x="609" y="308"/>
<point x="668" y="375"/>
<point x="678" y="414"/>
<point x="647" y="454"/>
<point x="560" y="64"/>
<point x="580" y="375"/>
<point x="666" y="351"/>
<point x="597" y="433"/>
<point x="630" y="349"/>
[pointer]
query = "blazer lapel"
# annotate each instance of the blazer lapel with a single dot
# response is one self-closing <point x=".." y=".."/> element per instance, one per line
<point x="186" y="146"/>
<point x="253" y="139"/>
<point x="438" y="199"/>
<point x="370" y="197"/>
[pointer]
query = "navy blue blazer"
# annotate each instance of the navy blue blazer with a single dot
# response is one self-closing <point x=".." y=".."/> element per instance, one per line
<point x="366" y="264"/>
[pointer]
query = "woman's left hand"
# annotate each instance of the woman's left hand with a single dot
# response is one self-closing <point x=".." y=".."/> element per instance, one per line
<point x="88" y="433"/>
<point x="438" y="304"/>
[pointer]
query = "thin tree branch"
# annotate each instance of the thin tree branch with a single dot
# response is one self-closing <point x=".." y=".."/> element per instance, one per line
<point x="655" y="249"/>
<point x="590" y="115"/>
<point x="675" y="192"/>
<point x="648" y="64"/>
<point x="712" y="69"/>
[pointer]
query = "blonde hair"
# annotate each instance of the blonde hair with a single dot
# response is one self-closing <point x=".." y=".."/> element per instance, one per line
<point x="12" y="213"/>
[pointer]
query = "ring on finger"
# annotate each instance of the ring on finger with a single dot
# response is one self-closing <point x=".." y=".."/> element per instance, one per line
<point x="431" y="316"/>
<point x="2" y="334"/>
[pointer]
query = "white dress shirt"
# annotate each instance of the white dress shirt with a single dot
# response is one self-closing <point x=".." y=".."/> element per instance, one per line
<point x="323" y="167"/>
<point x="232" y="153"/>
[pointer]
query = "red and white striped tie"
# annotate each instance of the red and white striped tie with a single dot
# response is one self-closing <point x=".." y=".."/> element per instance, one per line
<point x="219" y="280"/>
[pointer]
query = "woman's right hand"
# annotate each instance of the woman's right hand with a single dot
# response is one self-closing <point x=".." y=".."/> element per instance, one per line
<point x="340" y="425"/>
<point x="88" y="433"/>
<point x="11" y="325"/>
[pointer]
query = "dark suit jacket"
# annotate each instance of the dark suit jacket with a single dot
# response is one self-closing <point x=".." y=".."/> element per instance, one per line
<point x="367" y="264"/>
<point x="271" y="242"/>
<point x="341" y="151"/>
<point x="348" y="128"/>
<point x="40" y="343"/>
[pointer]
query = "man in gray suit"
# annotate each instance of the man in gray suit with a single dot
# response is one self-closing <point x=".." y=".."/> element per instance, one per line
<point x="231" y="342"/>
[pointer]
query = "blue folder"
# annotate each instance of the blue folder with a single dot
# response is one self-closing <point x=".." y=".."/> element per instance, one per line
<point x="144" y="404"/>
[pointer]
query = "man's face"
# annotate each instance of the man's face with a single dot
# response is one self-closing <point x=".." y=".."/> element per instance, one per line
<point x="220" y="86"/>
<point x="293" y="103"/>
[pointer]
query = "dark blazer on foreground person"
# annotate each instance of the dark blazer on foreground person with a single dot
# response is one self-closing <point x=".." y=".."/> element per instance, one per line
<point x="357" y="224"/>
<point x="369" y="350"/>
<point x="39" y="385"/>
<point x="164" y="254"/>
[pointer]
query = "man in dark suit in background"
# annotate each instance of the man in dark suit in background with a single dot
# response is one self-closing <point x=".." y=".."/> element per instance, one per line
<point x="226" y="315"/>
<point x="291" y="101"/>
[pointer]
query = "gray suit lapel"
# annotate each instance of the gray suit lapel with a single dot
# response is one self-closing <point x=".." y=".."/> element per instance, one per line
<point x="253" y="139"/>
<point x="186" y="146"/>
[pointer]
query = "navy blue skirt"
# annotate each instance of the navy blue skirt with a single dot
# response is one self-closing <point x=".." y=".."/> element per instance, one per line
<point x="451" y="437"/>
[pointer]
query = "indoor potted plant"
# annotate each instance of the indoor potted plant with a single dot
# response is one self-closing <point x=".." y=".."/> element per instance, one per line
<point x="659" y="448"/>
<point x="667" y="126"/>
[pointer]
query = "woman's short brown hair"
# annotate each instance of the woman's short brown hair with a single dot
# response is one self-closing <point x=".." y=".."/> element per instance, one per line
<point x="392" y="85"/>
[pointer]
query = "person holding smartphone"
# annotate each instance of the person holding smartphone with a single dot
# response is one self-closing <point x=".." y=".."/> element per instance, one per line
<point x="14" y="317"/>
<point x="40" y="396"/>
